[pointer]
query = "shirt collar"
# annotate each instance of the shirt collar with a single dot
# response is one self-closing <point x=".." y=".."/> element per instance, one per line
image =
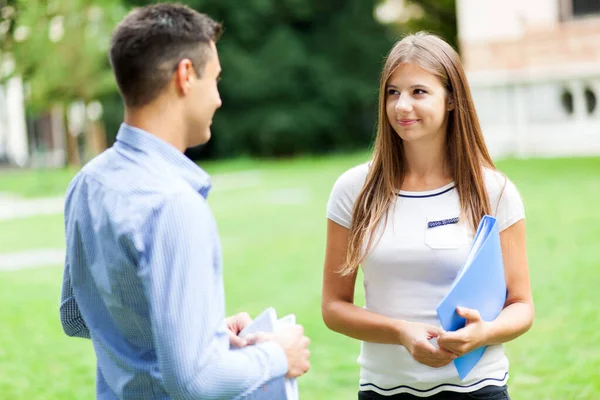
<point x="149" y="144"/>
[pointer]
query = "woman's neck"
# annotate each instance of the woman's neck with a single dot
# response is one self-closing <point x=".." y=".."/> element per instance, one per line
<point x="425" y="165"/>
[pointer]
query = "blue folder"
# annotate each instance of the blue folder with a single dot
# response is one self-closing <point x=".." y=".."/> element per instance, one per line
<point x="480" y="285"/>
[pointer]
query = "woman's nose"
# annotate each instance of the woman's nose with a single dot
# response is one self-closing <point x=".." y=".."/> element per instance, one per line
<point x="403" y="105"/>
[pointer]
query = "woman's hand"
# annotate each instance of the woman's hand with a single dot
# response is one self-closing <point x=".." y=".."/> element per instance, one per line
<point x="416" y="336"/>
<point x="466" y="339"/>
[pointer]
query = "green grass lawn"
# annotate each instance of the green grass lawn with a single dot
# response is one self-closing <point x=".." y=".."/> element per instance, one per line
<point x="273" y="232"/>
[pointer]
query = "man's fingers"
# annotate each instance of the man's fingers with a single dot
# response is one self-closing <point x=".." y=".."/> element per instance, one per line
<point x="244" y="319"/>
<point x="238" y="322"/>
<point x="258" y="338"/>
<point x="305" y="341"/>
<point x="237" y="341"/>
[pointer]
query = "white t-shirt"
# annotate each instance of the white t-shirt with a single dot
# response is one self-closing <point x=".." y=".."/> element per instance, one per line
<point x="410" y="269"/>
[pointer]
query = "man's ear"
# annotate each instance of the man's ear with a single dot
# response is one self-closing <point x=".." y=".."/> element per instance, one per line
<point x="184" y="75"/>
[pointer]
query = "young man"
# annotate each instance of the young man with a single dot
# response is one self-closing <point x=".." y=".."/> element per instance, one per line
<point x="143" y="275"/>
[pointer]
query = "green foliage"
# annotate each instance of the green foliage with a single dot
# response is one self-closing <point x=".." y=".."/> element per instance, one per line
<point x="60" y="48"/>
<point x="298" y="75"/>
<point x="438" y="17"/>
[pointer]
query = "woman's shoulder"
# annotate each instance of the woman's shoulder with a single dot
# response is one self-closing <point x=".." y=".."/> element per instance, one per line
<point x="356" y="174"/>
<point x="495" y="181"/>
<point x="505" y="200"/>
<point x="349" y="183"/>
<point x="344" y="194"/>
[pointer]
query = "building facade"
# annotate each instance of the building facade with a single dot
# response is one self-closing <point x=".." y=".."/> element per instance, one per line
<point x="534" y="69"/>
<point x="14" y="146"/>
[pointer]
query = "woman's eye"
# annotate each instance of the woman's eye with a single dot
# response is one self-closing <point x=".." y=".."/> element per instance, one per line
<point x="419" y="91"/>
<point x="393" y="92"/>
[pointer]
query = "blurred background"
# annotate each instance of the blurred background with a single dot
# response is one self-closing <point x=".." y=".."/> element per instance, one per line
<point x="299" y="90"/>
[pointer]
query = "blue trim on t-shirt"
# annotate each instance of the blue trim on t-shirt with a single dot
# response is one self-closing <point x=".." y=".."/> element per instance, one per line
<point x="410" y="196"/>
<point x="363" y="386"/>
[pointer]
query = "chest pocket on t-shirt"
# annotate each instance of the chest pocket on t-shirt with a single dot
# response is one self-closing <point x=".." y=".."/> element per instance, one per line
<point x="445" y="233"/>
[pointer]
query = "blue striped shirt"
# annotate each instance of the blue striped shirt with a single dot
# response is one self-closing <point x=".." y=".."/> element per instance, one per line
<point x="143" y="279"/>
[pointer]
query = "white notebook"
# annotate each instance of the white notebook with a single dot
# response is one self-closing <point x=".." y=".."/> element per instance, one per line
<point x="280" y="388"/>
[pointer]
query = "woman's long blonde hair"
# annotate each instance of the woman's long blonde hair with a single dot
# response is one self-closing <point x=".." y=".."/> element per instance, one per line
<point x="466" y="152"/>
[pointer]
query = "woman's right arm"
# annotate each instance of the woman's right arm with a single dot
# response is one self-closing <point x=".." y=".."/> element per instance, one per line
<point x="341" y="315"/>
<point x="337" y="304"/>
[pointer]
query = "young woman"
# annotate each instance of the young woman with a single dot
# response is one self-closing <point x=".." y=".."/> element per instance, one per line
<point x="430" y="163"/>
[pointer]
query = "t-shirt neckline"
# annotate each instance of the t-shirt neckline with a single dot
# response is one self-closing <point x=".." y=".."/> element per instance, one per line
<point x="427" y="193"/>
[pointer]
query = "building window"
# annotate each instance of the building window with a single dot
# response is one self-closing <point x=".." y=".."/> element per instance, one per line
<point x="570" y="9"/>
<point x="566" y="99"/>
<point x="590" y="100"/>
<point x="585" y="7"/>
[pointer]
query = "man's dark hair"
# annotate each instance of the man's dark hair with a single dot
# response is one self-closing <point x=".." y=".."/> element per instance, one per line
<point x="150" y="42"/>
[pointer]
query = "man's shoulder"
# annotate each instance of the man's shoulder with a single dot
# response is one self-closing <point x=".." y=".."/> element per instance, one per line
<point x="93" y="170"/>
<point x="140" y="189"/>
<point x="128" y="176"/>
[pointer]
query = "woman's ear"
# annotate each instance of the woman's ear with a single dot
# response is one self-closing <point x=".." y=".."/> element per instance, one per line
<point x="450" y="105"/>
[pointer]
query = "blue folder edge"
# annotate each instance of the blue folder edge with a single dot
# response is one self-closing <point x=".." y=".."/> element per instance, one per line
<point x="446" y="311"/>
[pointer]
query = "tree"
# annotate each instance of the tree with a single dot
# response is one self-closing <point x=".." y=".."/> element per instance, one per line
<point x="60" y="47"/>
<point x="60" y="50"/>
<point x="299" y="76"/>
<point x="435" y="16"/>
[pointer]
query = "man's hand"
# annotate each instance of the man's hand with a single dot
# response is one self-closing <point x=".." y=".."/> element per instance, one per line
<point x="235" y="324"/>
<point x="295" y="345"/>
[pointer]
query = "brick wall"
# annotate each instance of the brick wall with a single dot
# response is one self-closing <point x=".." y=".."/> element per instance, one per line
<point x="570" y="42"/>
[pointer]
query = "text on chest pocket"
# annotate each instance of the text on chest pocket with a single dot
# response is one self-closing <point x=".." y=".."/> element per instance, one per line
<point x="445" y="233"/>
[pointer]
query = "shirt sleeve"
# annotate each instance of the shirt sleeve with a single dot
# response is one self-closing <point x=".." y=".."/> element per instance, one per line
<point x="70" y="317"/>
<point x="509" y="208"/>
<point x="344" y="194"/>
<point x="185" y="299"/>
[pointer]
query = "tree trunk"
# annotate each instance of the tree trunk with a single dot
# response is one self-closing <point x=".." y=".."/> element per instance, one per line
<point x="72" y="148"/>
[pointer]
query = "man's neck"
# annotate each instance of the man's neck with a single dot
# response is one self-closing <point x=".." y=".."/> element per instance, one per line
<point x="158" y="120"/>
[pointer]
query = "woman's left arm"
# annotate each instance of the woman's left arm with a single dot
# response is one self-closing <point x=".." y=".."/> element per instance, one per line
<point x="517" y="316"/>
